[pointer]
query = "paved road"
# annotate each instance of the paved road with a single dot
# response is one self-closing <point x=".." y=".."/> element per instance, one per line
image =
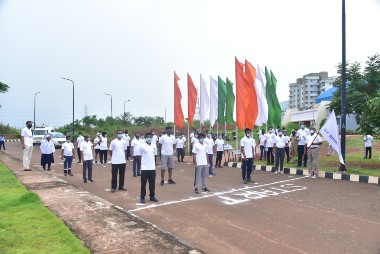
<point x="277" y="213"/>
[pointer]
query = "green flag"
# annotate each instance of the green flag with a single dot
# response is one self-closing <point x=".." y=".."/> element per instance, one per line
<point x="277" y="107"/>
<point x="230" y="102"/>
<point x="222" y="98"/>
<point x="268" y="91"/>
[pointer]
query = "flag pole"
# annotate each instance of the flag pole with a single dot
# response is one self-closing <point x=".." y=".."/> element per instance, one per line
<point x="188" y="136"/>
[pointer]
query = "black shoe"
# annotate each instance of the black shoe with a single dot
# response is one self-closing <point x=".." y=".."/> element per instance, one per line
<point x="134" y="175"/>
<point x="44" y="168"/>
<point x="142" y="200"/>
<point x="65" y="174"/>
<point x="162" y="183"/>
<point x="49" y="169"/>
<point x="84" y="180"/>
<point x="138" y="174"/>
<point x="205" y="189"/>
<point x="171" y="181"/>
<point x="122" y="189"/>
<point x="154" y="199"/>
<point x="249" y="180"/>
<point x="70" y="174"/>
<point x="244" y="181"/>
<point x="113" y="190"/>
<point x="196" y="190"/>
<point x="91" y="180"/>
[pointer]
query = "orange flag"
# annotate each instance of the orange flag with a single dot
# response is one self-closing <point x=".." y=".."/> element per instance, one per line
<point x="179" y="120"/>
<point x="241" y="91"/>
<point x="191" y="99"/>
<point x="251" y="96"/>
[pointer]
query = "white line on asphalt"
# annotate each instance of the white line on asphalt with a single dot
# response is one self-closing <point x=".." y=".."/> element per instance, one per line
<point x="212" y="195"/>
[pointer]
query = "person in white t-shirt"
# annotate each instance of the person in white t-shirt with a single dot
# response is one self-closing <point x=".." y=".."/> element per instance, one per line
<point x="148" y="168"/>
<point x="127" y="150"/>
<point x="219" y="151"/>
<point x="97" y="147"/>
<point x="201" y="162"/>
<point x="210" y="152"/>
<point x="247" y="147"/>
<point x="262" y="145"/>
<point x="118" y="161"/>
<point x="167" y="161"/>
<point x="136" y="142"/>
<point x="180" y="147"/>
<point x="287" y="139"/>
<point x="368" y="139"/>
<point x="313" y="141"/>
<point x="280" y="142"/>
<point x="67" y="154"/>
<point x="103" y="146"/>
<point x="79" y="142"/>
<point x="47" y="150"/>
<point x="192" y="135"/>
<point x="155" y="143"/>
<point x="269" y="141"/>
<point x="27" y="145"/>
<point x="86" y="153"/>
<point x="301" y="137"/>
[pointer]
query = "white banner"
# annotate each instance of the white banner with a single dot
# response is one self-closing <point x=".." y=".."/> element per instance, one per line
<point x="330" y="132"/>
<point x="260" y="81"/>
<point x="213" y="101"/>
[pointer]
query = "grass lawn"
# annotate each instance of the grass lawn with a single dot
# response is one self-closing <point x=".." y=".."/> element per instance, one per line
<point x="26" y="226"/>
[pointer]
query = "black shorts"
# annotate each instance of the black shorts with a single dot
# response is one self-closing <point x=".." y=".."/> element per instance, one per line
<point x="97" y="151"/>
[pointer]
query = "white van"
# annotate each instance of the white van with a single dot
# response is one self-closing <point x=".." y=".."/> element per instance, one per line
<point x="40" y="132"/>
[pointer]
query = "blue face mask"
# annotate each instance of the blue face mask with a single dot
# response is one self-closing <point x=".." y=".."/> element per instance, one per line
<point x="68" y="140"/>
<point x="220" y="137"/>
<point x="119" y="135"/>
<point x="202" y="140"/>
<point x="148" y="140"/>
<point x="280" y="134"/>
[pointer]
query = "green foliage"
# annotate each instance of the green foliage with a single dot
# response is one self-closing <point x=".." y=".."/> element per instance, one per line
<point x="322" y="122"/>
<point x="291" y="126"/>
<point x="9" y="132"/>
<point x="4" y="88"/>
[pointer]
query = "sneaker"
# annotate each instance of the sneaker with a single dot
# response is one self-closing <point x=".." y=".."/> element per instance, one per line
<point x="104" y="165"/>
<point x="91" y="180"/>
<point x="313" y="176"/>
<point x="70" y="174"/>
<point x="122" y="189"/>
<point x="134" y="175"/>
<point x="171" y="181"/>
<point x="220" y="166"/>
<point x="162" y="183"/>
<point x="249" y="180"/>
<point x="205" y="189"/>
<point x="154" y="199"/>
<point x="142" y="200"/>
<point x="96" y="162"/>
<point x="65" y="174"/>
<point x="196" y="190"/>
<point x="275" y="172"/>
<point x="244" y="181"/>
<point x="79" y="162"/>
<point x="138" y="174"/>
<point x="113" y="190"/>
<point x="84" y="180"/>
<point x="210" y="175"/>
<point x="282" y="172"/>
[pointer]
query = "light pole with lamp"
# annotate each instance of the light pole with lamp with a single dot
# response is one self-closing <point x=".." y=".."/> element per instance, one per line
<point x="124" y="104"/>
<point x="111" y="103"/>
<point x="34" y="118"/>
<point x="73" y="104"/>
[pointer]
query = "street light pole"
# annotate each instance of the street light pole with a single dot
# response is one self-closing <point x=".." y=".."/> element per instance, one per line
<point x="73" y="104"/>
<point x="111" y="102"/>
<point x="34" y="119"/>
<point x="124" y="104"/>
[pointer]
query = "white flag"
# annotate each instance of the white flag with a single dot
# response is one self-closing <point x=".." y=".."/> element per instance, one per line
<point x="213" y="100"/>
<point x="262" y="104"/>
<point x="330" y="132"/>
<point x="205" y="101"/>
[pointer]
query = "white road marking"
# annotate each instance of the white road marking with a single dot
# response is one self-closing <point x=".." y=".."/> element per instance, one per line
<point x="217" y="194"/>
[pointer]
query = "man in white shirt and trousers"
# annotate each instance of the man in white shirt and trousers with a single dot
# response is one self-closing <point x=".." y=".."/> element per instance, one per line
<point x="118" y="161"/>
<point x="79" y="142"/>
<point x="313" y="141"/>
<point x="27" y="145"/>
<point x="247" y="148"/>
<point x="368" y="139"/>
<point x="201" y="162"/>
<point x="279" y="149"/>
<point x="86" y="153"/>
<point x="167" y="160"/>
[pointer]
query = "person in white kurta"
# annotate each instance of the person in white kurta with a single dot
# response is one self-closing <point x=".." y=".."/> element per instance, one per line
<point x="27" y="145"/>
<point x="47" y="150"/>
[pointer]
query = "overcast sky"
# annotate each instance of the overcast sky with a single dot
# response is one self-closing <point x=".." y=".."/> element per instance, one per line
<point x="131" y="48"/>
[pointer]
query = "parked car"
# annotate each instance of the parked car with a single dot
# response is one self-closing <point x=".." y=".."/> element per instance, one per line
<point x="58" y="139"/>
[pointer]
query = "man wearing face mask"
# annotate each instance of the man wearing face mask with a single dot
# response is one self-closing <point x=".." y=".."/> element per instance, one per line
<point x="301" y="137"/>
<point x="200" y="161"/>
<point x="279" y="149"/>
<point x="219" y="151"/>
<point x="210" y="152"/>
<point x="127" y="150"/>
<point x="67" y="154"/>
<point x="313" y="141"/>
<point x="166" y="144"/>
<point x="118" y="161"/>
<point x="97" y="141"/>
<point x="27" y="145"/>
<point x="103" y="146"/>
<point x="180" y="147"/>
<point x="47" y="150"/>
<point x="148" y="168"/>
<point x="269" y="141"/>
<point x="136" y="142"/>
<point x="86" y="152"/>
<point x="247" y="148"/>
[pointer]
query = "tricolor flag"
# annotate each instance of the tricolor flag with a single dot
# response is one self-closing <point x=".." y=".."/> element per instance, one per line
<point x="222" y="99"/>
<point x="251" y="96"/>
<point x="213" y="100"/>
<point x="204" y="101"/>
<point x="191" y="99"/>
<point x="262" y="104"/>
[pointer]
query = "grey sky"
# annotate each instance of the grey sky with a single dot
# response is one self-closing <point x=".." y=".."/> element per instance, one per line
<point x="131" y="48"/>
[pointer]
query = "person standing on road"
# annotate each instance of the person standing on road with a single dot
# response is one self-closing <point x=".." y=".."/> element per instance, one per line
<point x="167" y="162"/>
<point x="269" y="140"/>
<point x="67" y="154"/>
<point x="210" y="152"/>
<point x="247" y="148"/>
<point x="287" y="141"/>
<point x="313" y="141"/>
<point x="47" y="150"/>
<point x="200" y="162"/>
<point x="103" y="146"/>
<point x="262" y="145"/>
<point x="293" y="146"/>
<point x="148" y="168"/>
<point x="79" y="142"/>
<point x="136" y="142"/>
<point x="180" y="147"/>
<point x="86" y="153"/>
<point x="279" y="149"/>
<point x="118" y="161"/>
<point x="219" y="151"/>
<point x="27" y="145"/>
<point x="97" y="146"/>
<point x="301" y="137"/>
<point x="127" y="150"/>
<point x="368" y="139"/>
<point x="155" y="143"/>
<point x="2" y="142"/>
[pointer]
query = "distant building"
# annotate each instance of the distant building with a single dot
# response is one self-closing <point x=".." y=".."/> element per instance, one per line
<point x="303" y="93"/>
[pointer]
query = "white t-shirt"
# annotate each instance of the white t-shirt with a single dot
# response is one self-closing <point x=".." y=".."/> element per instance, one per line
<point x="280" y="141"/>
<point x="200" y="151"/>
<point x="80" y="139"/>
<point x="47" y="147"/>
<point x="194" y="140"/>
<point x="309" y="139"/>
<point x="28" y="136"/>
<point x="67" y="149"/>
<point x="210" y="145"/>
<point x="287" y="140"/>
<point x="248" y="144"/>
<point x="103" y="145"/>
<point x="118" y="154"/>
<point x="368" y="141"/>
<point x="179" y="142"/>
<point x="219" y="145"/>
<point x="261" y="139"/>
<point x="167" y="144"/>
<point x="85" y="147"/>
<point x="96" y="142"/>
<point x="147" y="156"/>
<point x="301" y="137"/>
<point x="126" y="139"/>
<point x="136" y="146"/>
<point x="269" y="137"/>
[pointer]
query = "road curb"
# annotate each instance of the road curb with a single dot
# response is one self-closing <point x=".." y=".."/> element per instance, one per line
<point x="12" y="140"/>
<point x="322" y="174"/>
